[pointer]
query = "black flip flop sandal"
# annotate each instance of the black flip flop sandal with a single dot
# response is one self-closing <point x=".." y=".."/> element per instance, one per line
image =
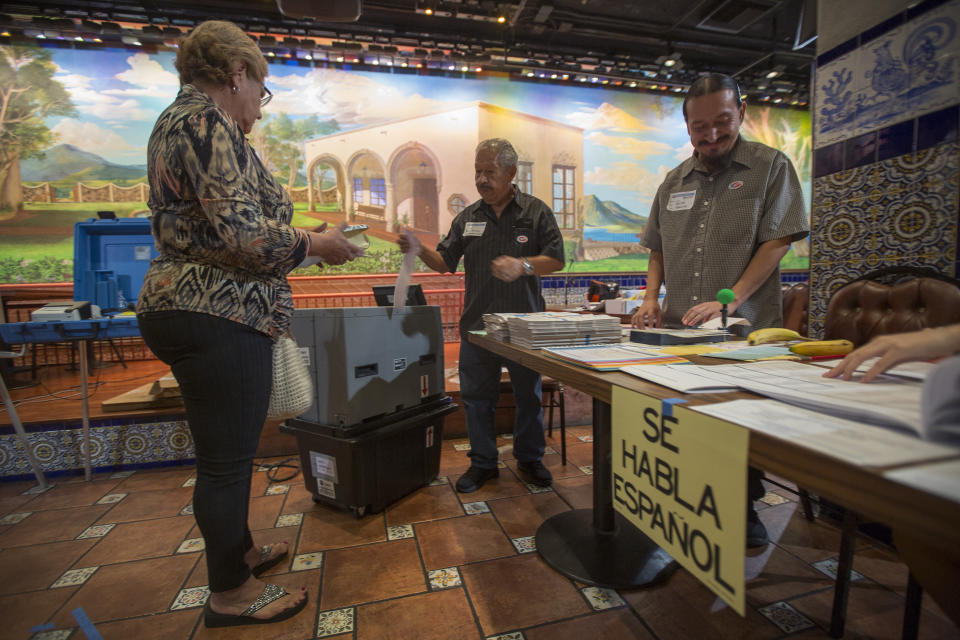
<point x="271" y="593"/>
<point x="266" y="562"/>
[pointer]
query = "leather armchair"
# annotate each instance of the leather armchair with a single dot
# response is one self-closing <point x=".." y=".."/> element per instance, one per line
<point x="863" y="309"/>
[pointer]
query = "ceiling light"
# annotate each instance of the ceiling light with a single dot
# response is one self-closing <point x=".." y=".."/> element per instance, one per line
<point x="428" y="11"/>
<point x="669" y="62"/>
<point x="501" y="19"/>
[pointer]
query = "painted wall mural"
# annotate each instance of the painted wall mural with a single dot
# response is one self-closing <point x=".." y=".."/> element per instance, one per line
<point x="385" y="149"/>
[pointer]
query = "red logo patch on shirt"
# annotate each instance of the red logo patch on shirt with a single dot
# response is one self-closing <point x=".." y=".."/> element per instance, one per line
<point x="736" y="184"/>
<point x="522" y="239"/>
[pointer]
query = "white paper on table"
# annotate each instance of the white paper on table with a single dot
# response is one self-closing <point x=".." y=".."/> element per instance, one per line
<point x="909" y="370"/>
<point x="891" y="401"/>
<point x="681" y="377"/>
<point x="940" y="478"/>
<point x="406" y="268"/>
<point x="844" y="439"/>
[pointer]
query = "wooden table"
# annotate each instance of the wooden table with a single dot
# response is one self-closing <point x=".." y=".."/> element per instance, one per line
<point x="925" y="525"/>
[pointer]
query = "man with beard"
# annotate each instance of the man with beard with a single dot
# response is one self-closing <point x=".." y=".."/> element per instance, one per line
<point x="723" y="219"/>
<point x="507" y="239"/>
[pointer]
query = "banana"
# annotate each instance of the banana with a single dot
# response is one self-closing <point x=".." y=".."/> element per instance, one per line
<point x="773" y="334"/>
<point x="822" y="348"/>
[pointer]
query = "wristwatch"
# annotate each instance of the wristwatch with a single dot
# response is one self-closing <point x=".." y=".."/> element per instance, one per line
<point x="527" y="267"/>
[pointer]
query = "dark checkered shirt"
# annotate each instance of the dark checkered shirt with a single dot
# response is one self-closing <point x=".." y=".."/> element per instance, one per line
<point x="526" y="228"/>
<point x="708" y="228"/>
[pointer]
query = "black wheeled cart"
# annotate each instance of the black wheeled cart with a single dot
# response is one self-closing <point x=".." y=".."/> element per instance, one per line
<point x="368" y="466"/>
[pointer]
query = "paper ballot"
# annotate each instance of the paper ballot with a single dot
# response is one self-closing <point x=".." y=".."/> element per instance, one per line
<point x="403" y="278"/>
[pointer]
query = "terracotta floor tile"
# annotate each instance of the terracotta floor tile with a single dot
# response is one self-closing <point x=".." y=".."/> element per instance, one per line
<point x="156" y="479"/>
<point x="328" y="528"/>
<point x="518" y="592"/>
<point x="260" y="481"/>
<point x="140" y="540"/>
<point x="621" y="624"/>
<point x="886" y="568"/>
<point x="432" y="616"/>
<point x="456" y="541"/>
<point x="38" y="566"/>
<point x="264" y="511"/>
<point x="128" y="590"/>
<point x="144" y="504"/>
<point x="578" y="491"/>
<point x="13" y="504"/>
<point x="506" y="485"/>
<point x="809" y="541"/>
<point x="453" y="463"/>
<point x="176" y="624"/>
<point x="23" y="611"/>
<point x="872" y="611"/>
<point x="299" y="627"/>
<point x="522" y="515"/>
<point x="681" y="607"/>
<point x="11" y="489"/>
<point x="79" y="494"/>
<point x="429" y="503"/>
<point x="777" y="575"/>
<point x="580" y="454"/>
<point x="371" y="572"/>
<point x="299" y="499"/>
<point x="553" y="463"/>
<point x="49" y="526"/>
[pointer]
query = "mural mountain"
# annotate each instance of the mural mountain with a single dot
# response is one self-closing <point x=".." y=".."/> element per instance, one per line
<point x="610" y="215"/>
<point x="65" y="160"/>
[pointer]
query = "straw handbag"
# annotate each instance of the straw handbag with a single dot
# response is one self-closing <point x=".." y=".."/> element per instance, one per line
<point x="292" y="390"/>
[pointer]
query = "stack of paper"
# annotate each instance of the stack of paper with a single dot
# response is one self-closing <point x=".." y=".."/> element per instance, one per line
<point x="610" y="357"/>
<point x="559" y="328"/>
<point x="496" y="326"/>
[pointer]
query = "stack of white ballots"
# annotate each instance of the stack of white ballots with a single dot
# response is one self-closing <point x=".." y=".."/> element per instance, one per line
<point x="562" y="329"/>
<point x="495" y="324"/>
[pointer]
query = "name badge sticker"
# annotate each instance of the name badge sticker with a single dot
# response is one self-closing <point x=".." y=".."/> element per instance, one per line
<point x="681" y="200"/>
<point x="474" y="229"/>
<point x="736" y="184"/>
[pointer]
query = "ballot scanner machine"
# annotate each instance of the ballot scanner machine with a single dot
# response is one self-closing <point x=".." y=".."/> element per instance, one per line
<point x="374" y="431"/>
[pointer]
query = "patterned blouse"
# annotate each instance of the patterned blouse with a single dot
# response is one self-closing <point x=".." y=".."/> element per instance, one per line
<point x="220" y="221"/>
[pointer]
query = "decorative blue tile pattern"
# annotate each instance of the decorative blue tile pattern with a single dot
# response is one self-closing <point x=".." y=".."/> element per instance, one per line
<point x="113" y="444"/>
<point x="902" y="211"/>
<point x="895" y="74"/>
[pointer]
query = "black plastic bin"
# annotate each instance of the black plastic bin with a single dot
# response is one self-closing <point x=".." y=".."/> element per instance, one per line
<point x="368" y="466"/>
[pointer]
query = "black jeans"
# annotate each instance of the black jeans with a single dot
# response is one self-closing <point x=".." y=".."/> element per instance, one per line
<point x="224" y="369"/>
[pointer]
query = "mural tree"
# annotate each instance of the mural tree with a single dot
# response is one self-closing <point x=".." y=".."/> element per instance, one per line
<point x="28" y="94"/>
<point x="284" y="138"/>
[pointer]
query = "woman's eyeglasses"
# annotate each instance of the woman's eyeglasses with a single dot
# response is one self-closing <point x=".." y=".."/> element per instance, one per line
<point x="266" y="98"/>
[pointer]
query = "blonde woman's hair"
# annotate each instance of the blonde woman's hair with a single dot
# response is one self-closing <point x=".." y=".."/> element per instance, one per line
<point x="210" y="52"/>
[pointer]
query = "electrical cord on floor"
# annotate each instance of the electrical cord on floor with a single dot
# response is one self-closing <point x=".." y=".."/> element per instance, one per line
<point x="273" y="469"/>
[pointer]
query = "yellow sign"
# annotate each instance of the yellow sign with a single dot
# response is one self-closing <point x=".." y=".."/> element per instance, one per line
<point x="681" y="478"/>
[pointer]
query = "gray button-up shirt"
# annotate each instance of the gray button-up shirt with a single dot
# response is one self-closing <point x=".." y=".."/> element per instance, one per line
<point x="525" y="228"/>
<point x="709" y="227"/>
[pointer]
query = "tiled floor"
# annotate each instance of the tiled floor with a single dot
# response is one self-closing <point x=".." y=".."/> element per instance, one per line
<point x="124" y="552"/>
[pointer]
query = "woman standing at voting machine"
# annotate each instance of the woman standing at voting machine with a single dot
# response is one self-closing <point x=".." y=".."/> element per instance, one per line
<point x="217" y="297"/>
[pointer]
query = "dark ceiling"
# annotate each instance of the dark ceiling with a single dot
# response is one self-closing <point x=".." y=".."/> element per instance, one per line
<point x="623" y="41"/>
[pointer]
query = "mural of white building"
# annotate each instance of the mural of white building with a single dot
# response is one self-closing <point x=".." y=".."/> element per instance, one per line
<point x="418" y="172"/>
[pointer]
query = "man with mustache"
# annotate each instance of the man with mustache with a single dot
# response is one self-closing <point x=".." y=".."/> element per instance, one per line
<point x="507" y="240"/>
<point x="723" y="219"/>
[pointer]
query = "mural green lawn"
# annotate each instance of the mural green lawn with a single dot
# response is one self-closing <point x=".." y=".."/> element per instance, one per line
<point x="47" y="254"/>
